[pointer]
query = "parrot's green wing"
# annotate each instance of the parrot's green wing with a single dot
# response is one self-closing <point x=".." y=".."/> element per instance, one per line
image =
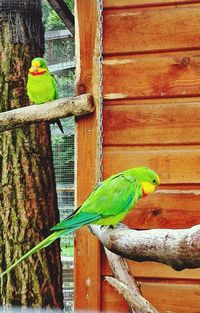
<point x="114" y="196"/>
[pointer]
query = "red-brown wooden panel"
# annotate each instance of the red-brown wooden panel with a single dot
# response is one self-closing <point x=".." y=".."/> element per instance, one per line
<point x="151" y="29"/>
<point x="153" y="270"/>
<point x="165" y="296"/>
<point x="137" y="3"/>
<point x="152" y="75"/>
<point x="87" y="249"/>
<point x="150" y="124"/>
<point x="173" y="164"/>
<point x="151" y="102"/>
<point x="162" y="210"/>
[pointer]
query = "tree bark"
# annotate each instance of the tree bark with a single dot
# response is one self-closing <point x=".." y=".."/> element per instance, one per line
<point x="178" y="248"/>
<point x="28" y="206"/>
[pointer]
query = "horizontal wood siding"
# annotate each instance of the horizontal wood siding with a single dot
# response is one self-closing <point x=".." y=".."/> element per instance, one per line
<point x="163" y="295"/>
<point x="136" y="3"/>
<point x="152" y="29"/>
<point x="152" y="76"/>
<point x="143" y="124"/>
<point x="151" y="86"/>
<point x="175" y="165"/>
<point x="156" y="271"/>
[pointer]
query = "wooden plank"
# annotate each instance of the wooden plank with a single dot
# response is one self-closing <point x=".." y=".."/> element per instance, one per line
<point x="150" y="29"/>
<point x="153" y="270"/>
<point x="151" y="102"/>
<point x="166" y="210"/>
<point x="165" y="297"/>
<point x="152" y="75"/>
<point x="175" y="165"/>
<point x="87" y="248"/>
<point x="136" y="3"/>
<point x="149" y="124"/>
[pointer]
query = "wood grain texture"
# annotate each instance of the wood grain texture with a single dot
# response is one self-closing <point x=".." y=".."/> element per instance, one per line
<point x="136" y="3"/>
<point x="166" y="210"/>
<point x="87" y="251"/>
<point x="152" y="29"/>
<point x="49" y="111"/>
<point x="146" y="124"/>
<point x="152" y="270"/>
<point x="152" y="75"/>
<point x="175" y="165"/>
<point x="156" y="101"/>
<point x="174" y="297"/>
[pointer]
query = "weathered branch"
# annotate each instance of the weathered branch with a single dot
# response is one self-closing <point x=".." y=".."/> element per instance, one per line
<point x="126" y="285"/>
<point x="48" y="111"/>
<point x="132" y="297"/>
<point x="179" y="249"/>
<point x="121" y="270"/>
<point x="64" y="13"/>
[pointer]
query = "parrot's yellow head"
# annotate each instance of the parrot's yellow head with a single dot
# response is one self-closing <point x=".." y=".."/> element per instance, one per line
<point x="148" y="179"/>
<point x="38" y="67"/>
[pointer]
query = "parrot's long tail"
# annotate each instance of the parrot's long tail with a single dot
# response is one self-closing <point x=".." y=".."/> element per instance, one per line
<point x="43" y="244"/>
<point x="58" y="122"/>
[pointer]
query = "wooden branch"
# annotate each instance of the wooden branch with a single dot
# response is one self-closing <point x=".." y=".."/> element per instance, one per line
<point x="126" y="285"/>
<point x="48" y="111"/>
<point x="64" y="12"/>
<point x="121" y="270"/>
<point x="133" y="298"/>
<point x="179" y="249"/>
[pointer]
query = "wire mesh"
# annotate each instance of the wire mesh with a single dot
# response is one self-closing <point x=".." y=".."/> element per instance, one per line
<point x="19" y="5"/>
<point x="63" y="158"/>
<point x="60" y="56"/>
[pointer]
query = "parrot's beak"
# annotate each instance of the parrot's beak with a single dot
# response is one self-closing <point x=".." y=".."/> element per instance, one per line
<point x="35" y="69"/>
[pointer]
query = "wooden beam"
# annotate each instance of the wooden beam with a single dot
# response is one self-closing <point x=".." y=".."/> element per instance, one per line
<point x="57" y="34"/>
<point x="64" y="13"/>
<point x="48" y="111"/>
<point x="87" y="284"/>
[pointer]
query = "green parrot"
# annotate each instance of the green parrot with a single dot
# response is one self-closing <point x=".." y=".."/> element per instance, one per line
<point x="107" y="205"/>
<point x="41" y="85"/>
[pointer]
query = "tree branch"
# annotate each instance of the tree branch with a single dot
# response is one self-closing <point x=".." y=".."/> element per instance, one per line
<point x="126" y="285"/>
<point x="179" y="249"/>
<point x="121" y="270"/>
<point x="134" y="299"/>
<point x="48" y="111"/>
<point x="64" y="13"/>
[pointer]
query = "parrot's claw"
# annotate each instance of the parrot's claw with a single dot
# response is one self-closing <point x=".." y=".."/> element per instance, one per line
<point x="102" y="227"/>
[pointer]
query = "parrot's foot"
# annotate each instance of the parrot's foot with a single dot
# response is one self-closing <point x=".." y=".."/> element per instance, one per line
<point x="103" y="227"/>
<point x="120" y="225"/>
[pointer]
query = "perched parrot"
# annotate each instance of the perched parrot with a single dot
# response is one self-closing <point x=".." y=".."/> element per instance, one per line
<point x="41" y="85"/>
<point x="107" y="205"/>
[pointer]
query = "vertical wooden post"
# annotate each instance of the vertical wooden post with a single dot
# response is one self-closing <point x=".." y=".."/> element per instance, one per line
<point x="87" y="247"/>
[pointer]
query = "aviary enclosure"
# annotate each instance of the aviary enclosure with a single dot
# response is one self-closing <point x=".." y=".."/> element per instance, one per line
<point x="139" y="63"/>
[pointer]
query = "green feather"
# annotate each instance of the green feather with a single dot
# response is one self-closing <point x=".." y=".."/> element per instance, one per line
<point x="108" y="204"/>
<point x="43" y="244"/>
<point x="42" y="88"/>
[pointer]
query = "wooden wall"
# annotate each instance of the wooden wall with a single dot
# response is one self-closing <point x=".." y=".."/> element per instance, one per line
<point x="151" y="117"/>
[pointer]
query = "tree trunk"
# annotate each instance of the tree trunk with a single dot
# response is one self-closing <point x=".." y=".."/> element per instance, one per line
<point x="28" y="206"/>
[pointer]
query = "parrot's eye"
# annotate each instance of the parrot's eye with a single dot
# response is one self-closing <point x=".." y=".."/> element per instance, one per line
<point x="154" y="181"/>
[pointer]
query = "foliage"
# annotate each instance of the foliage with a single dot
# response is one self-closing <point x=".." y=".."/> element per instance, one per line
<point x="65" y="84"/>
<point x="62" y="50"/>
<point x="50" y="18"/>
